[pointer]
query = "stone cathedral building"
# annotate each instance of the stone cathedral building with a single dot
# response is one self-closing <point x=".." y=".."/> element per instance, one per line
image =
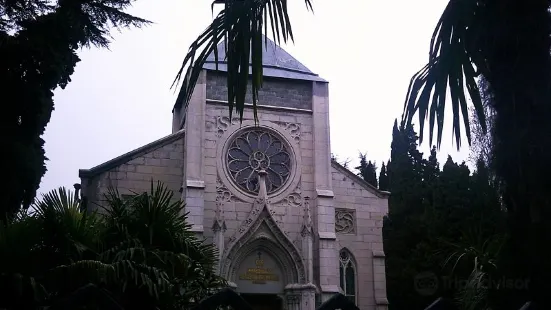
<point x="293" y="227"/>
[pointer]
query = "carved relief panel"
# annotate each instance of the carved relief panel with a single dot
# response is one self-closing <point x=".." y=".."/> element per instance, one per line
<point x="345" y="221"/>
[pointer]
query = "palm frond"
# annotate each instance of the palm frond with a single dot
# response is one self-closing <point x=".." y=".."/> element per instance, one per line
<point x="472" y="295"/>
<point x="125" y="272"/>
<point x="141" y="245"/>
<point x="240" y="25"/>
<point x="452" y="61"/>
<point x="88" y="293"/>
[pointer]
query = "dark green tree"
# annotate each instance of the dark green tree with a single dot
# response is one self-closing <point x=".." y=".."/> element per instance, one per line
<point x="433" y="216"/>
<point x="367" y="170"/>
<point x="383" y="178"/>
<point x="39" y="41"/>
<point x="404" y="229"/>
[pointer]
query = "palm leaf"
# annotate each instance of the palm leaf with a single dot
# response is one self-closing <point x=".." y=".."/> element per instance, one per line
<point x="240" y="25"/>
<point x="452" y="60"/>
<point x="87" y="294"/>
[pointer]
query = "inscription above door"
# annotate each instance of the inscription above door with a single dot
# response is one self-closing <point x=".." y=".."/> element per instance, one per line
<point x="259" y="274"/>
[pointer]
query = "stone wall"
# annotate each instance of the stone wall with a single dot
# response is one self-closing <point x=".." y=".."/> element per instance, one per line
<point x="274" y="91"/>
<point x="134" y="174"/>
<point x="288" y="211"/>
<point x="363" y="238"/>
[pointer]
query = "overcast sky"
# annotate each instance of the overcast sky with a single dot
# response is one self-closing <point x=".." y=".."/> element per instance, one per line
<point x="120" y="99"/>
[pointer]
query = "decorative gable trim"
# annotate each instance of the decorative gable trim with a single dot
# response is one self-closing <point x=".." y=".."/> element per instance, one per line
<point x="260" y="226"/>
<point x="117" y="161"/>
<point x="357" y="179"/>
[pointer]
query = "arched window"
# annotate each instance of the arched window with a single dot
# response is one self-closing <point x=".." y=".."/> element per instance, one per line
<point x="347" y="271"/>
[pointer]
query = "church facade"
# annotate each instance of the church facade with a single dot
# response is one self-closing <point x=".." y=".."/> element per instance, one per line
<point x="293" y="227"/>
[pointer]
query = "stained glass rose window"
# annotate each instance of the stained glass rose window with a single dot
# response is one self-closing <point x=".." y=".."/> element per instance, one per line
<point x="254" y="150"/>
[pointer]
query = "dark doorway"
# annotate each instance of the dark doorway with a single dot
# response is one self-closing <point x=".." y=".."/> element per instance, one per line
<point x="264" y="301"/>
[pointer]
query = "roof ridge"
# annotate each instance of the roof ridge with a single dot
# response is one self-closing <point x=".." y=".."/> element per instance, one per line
<point x="366" y="185"/>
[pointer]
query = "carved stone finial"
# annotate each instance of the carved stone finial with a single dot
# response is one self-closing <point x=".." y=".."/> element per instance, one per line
<point x="219" y="219"/>
<point x="219" y="225"/>
<point x="307" y="219"/>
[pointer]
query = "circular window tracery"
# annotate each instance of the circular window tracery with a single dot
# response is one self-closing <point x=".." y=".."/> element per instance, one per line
<point x="254" y="150"/>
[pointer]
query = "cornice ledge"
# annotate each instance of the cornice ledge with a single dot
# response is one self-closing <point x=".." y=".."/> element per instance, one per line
<point x="324" y="193"/>
<point x="326" y="235"/>
<point x="195" y="184"/>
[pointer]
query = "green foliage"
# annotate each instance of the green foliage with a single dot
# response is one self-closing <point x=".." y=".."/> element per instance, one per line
<point x="139" y="249"/>
<point x="452" y="60"/>
<point x="38" y="46"/>
<point x="367" y="170"/>
<point x="383" y="178"/>
<point x="438" y="221"/>
<point x="479" y="255"/>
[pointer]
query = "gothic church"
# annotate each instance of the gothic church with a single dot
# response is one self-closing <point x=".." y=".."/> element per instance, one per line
<point x="293" y="227"/>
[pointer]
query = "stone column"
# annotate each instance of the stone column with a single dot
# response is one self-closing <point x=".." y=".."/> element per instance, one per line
<point x="218" y="229"/>
<point x="292" y="301"/>
<point x="379" y="280"/>
<point x="193" y="182"/>
<point x="308" y="299"/>
<point x="308" y="241"/>
<point x="300" y="296"/>
<point x="324" y="208"/>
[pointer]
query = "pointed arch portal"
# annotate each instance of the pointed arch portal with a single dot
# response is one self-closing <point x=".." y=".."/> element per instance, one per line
<point x="279" y="263"/>
<point x="262" y="267"/>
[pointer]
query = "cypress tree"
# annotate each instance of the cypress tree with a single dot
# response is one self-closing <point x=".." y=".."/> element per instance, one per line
<point x="367" y="170"/>
<point x="383" y="178"/>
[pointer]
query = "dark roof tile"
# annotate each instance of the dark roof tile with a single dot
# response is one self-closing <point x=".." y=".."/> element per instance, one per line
<point x="275" y="60"/>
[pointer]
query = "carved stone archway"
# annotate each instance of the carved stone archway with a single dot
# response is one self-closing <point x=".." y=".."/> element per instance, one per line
<point x="288" y="268"/>
<point x="264" y="232"/>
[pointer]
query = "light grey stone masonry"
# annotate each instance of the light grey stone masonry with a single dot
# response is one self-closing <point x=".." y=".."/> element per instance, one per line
<point x="194" y="173"/>
<point x="366" y="243"/>
<point x="134" y="172"/>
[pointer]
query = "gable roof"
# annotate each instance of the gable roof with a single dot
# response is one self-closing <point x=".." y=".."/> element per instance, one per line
<point x="276" y="62"/>
<point x="117" y="161"/>
<point x="359" y="180"/>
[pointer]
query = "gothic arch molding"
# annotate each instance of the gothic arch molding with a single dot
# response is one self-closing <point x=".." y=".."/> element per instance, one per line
<point x="264" y="230"/>
<point x="288" y="268"/>
<point x="346" y="261"/>
<point x="352" y="257"/>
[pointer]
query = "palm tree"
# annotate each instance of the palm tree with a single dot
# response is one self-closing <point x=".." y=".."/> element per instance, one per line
<point x="505" y="42"/>
<point x="138" y="253"/>
<point x="150" y="232"/>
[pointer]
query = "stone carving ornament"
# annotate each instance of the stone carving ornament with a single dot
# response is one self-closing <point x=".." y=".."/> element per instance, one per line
<point x="223" y="123"/>
<point x="294" y="130"/>
<point x="254" y="150"/>
<point x="222" y="193"/>
<point x="246" y="148"/>
<point x="345" y="221"/>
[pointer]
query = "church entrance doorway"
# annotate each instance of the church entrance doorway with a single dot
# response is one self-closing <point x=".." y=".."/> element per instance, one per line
<point x="264" y="301"/>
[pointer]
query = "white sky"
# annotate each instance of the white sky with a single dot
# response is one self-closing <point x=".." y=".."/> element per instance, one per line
<point x="120" y="99"/>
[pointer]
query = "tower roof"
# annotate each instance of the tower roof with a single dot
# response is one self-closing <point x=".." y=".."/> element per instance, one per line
<point x="275" y="60"/>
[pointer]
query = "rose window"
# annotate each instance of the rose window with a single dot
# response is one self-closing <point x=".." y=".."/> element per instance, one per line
<point x="255" y="150"/>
